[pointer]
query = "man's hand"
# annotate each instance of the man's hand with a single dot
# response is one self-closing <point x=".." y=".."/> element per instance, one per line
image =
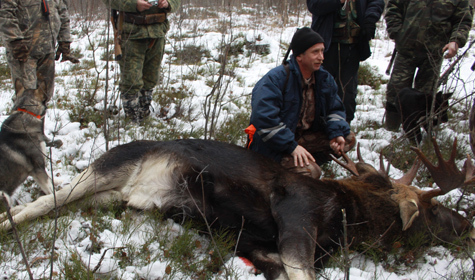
<point x="163" y="4"/>
<point x="143" y="5"/>
<point x="451" y="48"/>
<point x="337" y="144"/>
<point x="368" y="30"/>
<point x="64" y="51"/>
<point x="302" y="157"/>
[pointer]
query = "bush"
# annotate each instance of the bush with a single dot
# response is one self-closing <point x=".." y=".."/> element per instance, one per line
<point x="191" y="54"/>
<point x="368" y="75"/>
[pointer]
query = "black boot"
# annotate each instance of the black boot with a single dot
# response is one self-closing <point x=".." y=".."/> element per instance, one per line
<point x="393" y="118"/>
<point x="145" y="101"/>
<point x="130" y="103"/>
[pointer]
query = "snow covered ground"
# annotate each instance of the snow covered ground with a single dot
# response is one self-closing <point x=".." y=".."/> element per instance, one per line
<point x="83" y="144"/>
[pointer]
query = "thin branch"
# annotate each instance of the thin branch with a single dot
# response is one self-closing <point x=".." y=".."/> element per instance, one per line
<point x="345" y="248"/>
<point x="102" y="258"/>
<point x="208" y="226"/>
<point x="56" y="214"/>
<point x="17" y="237"/>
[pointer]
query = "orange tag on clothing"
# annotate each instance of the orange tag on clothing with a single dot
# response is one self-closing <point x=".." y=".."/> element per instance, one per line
<point x="250" y="130"/>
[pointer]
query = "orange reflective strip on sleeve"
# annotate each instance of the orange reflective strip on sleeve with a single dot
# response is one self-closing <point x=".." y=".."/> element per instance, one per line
<point x="250" y="130"/>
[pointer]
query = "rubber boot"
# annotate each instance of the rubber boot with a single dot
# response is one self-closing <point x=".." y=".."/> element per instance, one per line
<point x="130" y="103"/>
<point x="145" y="101"/>
<point x="393" y="118"/>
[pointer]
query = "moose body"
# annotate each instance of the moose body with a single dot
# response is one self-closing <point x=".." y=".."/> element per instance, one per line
<point x="415" y="107"/>
<point x="287" y="221"/>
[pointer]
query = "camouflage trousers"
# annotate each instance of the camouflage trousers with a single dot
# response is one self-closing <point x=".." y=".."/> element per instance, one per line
<point x="318" y="145"/>
<point x="139" y="73"/>
<point x="140" y="64"/>
<point x="402" y="76"/>
<point x="32" y="73"/>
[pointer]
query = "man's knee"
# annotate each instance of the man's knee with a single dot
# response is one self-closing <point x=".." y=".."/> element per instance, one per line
<point x="311" y="170"/>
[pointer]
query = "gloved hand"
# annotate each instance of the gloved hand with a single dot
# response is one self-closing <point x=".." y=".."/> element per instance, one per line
<point x="64" y="49"/>
<point x="369" y="29"/>
<point x="20" y="49"/>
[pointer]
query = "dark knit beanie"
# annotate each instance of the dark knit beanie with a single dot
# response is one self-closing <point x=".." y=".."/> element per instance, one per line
<point x="303" y="39"/>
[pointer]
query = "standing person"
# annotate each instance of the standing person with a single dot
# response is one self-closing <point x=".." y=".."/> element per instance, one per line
<point x="30" y="31"/>
<point x="347" y="26"/>
<point x="423" y="30"/>
<point x="142" y="27"/>
<point x="297" y="117"/>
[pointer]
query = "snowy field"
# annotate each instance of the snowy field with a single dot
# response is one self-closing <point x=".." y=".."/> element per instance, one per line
<point x="83" y="143"/>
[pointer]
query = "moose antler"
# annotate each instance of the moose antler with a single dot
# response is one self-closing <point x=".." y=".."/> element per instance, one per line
<point x="446" y="175"/>
<point x="409" y="176"/>
<point x="362" y="166"/>
<point x="350" y="165"/>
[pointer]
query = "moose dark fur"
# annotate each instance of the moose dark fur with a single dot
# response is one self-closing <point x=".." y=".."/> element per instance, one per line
<point x="415" y="106"/>
<point x="287" y="220"/>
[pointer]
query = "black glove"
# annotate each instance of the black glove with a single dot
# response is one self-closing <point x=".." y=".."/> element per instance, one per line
<point x="369" y="29"/>
<point x="20" y="49"/>
<point x="64" y="49"/>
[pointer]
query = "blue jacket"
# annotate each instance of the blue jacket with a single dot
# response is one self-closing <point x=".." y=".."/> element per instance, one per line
<point x="275" y="115"/>
<point x="323" y="15"/>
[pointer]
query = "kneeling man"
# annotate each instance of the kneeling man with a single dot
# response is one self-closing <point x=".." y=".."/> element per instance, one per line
<point x="297" y="117"/>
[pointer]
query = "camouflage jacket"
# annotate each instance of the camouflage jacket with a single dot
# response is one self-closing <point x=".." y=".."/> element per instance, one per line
<point x="23" y="19"/>
<point x="133" y="31"/>
<point x="426" y="26"/>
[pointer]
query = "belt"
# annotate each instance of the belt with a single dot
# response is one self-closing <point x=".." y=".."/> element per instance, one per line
<point x="144" y="19"/>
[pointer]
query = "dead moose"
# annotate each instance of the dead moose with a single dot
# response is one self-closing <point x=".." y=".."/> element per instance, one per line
<point x="289" y="222"/>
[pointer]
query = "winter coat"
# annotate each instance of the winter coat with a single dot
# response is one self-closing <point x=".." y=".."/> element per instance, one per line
<point x="23" y="19"/>
<point x="134" y="31"/>
<point x="275" y="115"/>
<point x="324" y="13"/>
<point x="424" y="26"/>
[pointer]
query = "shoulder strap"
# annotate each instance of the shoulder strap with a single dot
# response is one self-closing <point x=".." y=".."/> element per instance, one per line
<point x="287" y="70"/>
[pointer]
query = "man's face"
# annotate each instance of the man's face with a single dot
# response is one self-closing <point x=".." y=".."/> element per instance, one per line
<point x="311" y="60"/>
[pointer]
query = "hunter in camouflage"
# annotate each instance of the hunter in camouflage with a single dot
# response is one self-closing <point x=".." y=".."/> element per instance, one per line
<point x="423" y="30"/>
<point x="142" y="27"/>
<point x="30" y="36"/>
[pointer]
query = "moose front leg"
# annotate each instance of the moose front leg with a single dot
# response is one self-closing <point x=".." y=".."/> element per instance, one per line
<point x="297" y="251"/>
<point x="297" y="232"/>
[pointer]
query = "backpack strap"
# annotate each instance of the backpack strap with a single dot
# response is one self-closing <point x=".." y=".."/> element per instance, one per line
<point x="287" y="70"/>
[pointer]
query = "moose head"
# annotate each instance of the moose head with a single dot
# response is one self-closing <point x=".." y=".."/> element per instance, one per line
<point x="419" y="205"/>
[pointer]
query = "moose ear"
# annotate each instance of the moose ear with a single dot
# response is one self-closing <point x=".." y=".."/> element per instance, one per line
<point x="409" y="211"/>
<point x="407" y="199"/>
